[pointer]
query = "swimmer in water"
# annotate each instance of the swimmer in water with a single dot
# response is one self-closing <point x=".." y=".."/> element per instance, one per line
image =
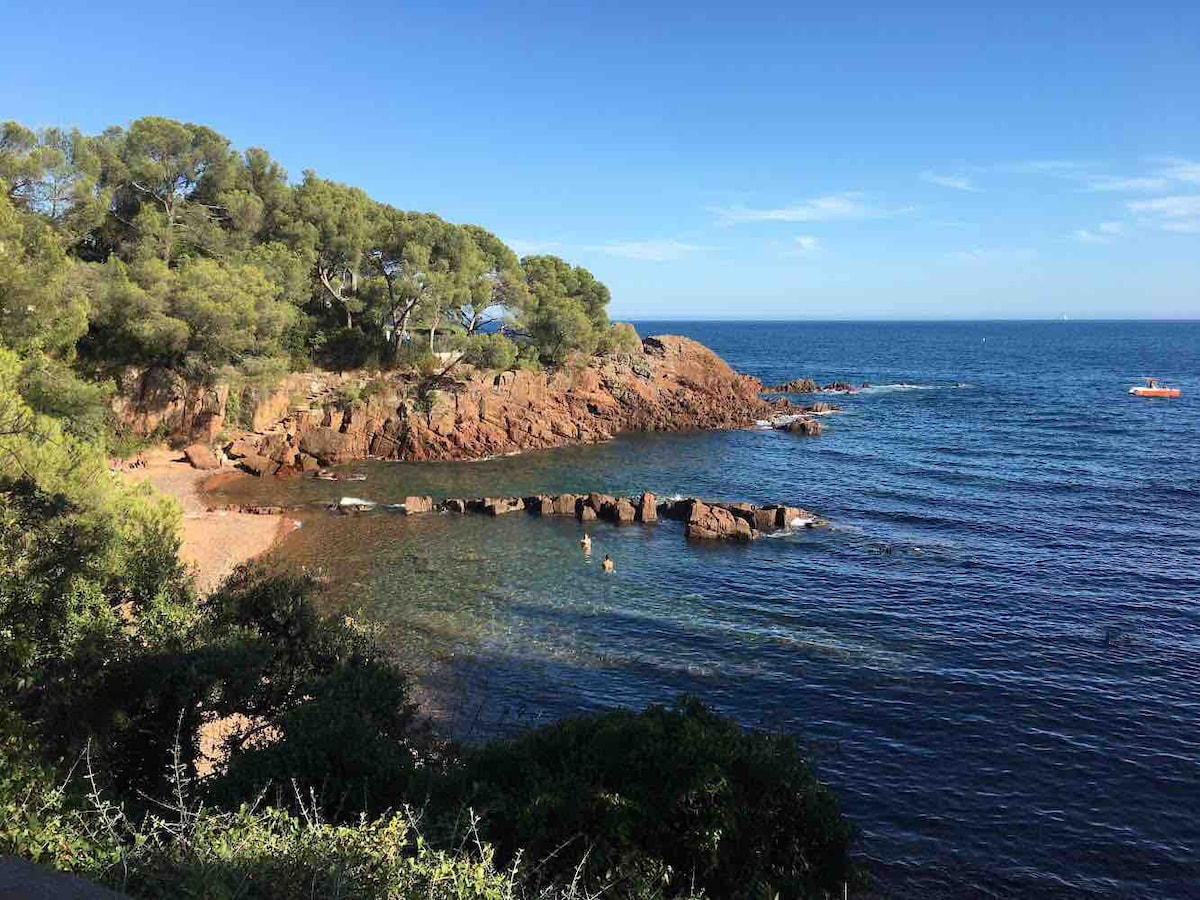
<point x="608" y="563"/>
<point x="586" y="543"/>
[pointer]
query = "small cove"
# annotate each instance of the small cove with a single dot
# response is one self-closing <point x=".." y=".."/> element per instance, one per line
<point x="946" y="648"/>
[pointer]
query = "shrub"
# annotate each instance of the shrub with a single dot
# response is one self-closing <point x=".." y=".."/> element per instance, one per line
<point x="488" y="351"/>
<point x="349" y="348"/>
<point x="621" y="337"/>
<point x="343" y="724"/>
<point x="669" y="799"/>
<point x="415" y="356"/>
<point x="187" y="850"/>
<point x="529" y="359"/>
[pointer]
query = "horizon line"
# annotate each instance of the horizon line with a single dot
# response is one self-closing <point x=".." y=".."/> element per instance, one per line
<point x="929" y="320"/>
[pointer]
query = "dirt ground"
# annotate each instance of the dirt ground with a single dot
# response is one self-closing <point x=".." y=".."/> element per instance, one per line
<point x="214" y="543"/>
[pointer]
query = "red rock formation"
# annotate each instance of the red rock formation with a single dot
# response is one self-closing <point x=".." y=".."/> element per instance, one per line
<point x="201" y="457"/>
<point x="715" y="523"/>
<point x="673" y="384"/>
<point x="414" y="505"/>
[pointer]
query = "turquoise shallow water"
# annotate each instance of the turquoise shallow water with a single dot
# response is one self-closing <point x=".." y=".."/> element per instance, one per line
<point x="993" y="653"/>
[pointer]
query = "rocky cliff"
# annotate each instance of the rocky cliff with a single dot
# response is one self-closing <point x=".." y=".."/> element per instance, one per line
<point x="672" y="384"/>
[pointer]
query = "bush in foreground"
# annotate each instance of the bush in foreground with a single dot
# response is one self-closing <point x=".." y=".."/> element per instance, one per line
<point x="663" y="802"/>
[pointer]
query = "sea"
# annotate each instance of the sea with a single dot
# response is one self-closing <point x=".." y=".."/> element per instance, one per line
<point x="992" y="653"/>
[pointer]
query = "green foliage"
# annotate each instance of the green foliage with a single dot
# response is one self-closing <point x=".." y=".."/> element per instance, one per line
<point x="44" y="818"/>
<point x="488" y="351"/>
<point x="214" y="313"/>
<point x="564" y="308"/>
<point x="619" y="338"/>
<point x="529" y="358"/>
<point x="159" y="245"/>
<point x="43" y="305"/>
<point x="53" y="388"/>
<point x="273" y="855"/>
<point x="416" y="357"/>
<point x="667" y="800"/>
<point x="185" y="849"/>
<point x="344" y="349"/>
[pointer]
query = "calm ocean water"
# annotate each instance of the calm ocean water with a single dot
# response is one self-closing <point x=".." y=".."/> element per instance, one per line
<point x="993" y="654"/>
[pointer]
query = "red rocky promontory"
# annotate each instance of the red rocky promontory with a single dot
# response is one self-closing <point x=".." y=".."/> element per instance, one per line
<point x="672" y="384"/>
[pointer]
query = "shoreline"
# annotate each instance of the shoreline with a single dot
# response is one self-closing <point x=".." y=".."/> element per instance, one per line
<point x="212" y="542"/>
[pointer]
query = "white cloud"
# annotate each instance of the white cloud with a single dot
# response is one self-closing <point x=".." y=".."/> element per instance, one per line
<point x="1182" y="170"/>
<point x="650" y="251"/>
<point x="533" y="247"/>
<point x="832" y="207"/>
<point x="803" y="245"/>
<point x="1179" y="213"/>
<point x="1108" y="183"/>
<point x="1182" y="226"/>
<point x="1101" y="234"/>
<point x="956" y="182"/>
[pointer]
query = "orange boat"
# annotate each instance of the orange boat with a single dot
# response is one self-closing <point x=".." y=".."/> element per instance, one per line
<point x="1153" y="389"/>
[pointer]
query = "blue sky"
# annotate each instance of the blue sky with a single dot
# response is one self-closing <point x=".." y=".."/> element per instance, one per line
<point x="750" y="160"/>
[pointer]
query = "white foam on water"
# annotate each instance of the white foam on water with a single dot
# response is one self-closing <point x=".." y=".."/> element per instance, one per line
<point x="355" y="501"/>
<point x="892" y="388"/>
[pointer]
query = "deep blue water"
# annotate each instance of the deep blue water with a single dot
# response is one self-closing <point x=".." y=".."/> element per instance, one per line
<point x="993" y="653"/>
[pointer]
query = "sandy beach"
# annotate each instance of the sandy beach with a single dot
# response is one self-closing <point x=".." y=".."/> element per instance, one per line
<point x="216" y="541"/>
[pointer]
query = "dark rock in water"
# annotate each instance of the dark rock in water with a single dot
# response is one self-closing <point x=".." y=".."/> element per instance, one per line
<point x="415" y="505"/>
<point x="455" y="506"/>
<point x="599" y="501"/>
<point x="261" y="510"/>
<point x="309" y="463"/>
<point x="562" y="505"/>
<point x="623" y="512"/>
<point x="678" y="510"/>
<point x="538" y="505"/>
<point x="349" y="506"/>
<point x="647" y="509"/>
<point x="201" y="457"/>
<point x="499" y="506"/>
<point x="798" y="386"/>
<point x="822" y="406"/>
<point x="806" y="427"/>
<point x="258" y="465"/>
<point x="766" y="520"/>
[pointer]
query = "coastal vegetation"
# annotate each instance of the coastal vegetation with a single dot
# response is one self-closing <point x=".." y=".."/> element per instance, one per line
<point x="159" y="244"/>
<point x="241" y="743"/>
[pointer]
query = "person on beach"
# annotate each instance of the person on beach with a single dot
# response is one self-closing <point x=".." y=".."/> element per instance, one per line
<point x="608" y="563"/>
<point x="586" y="543"/>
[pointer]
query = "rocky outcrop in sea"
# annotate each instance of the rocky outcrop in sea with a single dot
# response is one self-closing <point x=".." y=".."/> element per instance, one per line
<point x="672" y="384"/>
<point x="703" y="520"/>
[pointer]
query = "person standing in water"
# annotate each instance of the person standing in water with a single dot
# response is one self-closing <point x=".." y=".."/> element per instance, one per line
<point x="586" y="543"/>
<point x="608" y="563"/>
